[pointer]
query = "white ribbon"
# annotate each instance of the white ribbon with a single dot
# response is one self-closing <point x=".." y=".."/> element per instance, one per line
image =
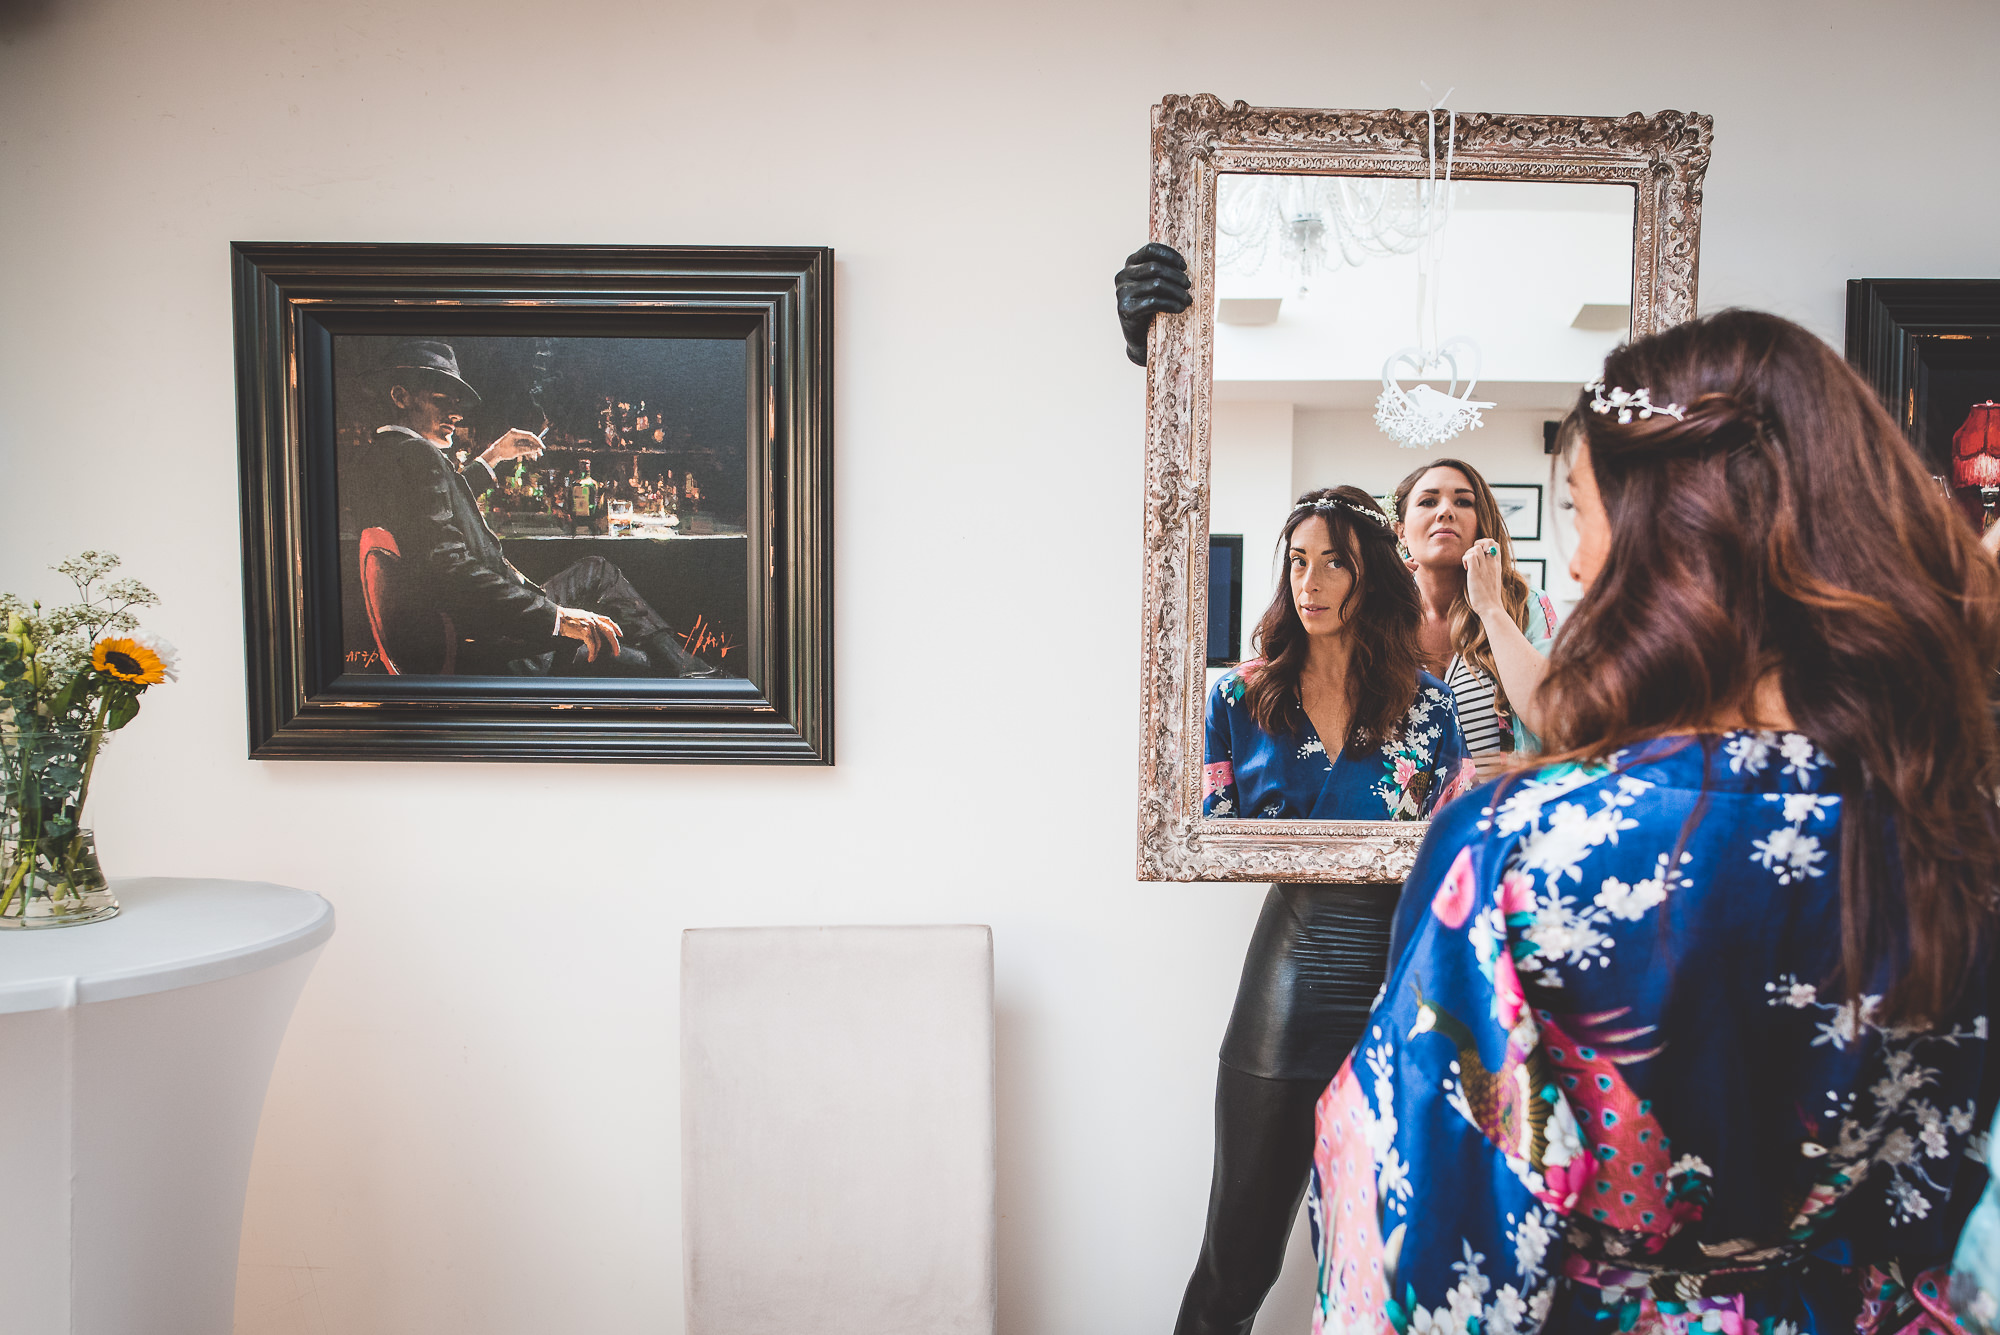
<point x="1423" y="417"/>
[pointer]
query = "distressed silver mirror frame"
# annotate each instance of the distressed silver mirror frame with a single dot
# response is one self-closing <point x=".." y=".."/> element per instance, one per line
<point x="1664" y="157"/>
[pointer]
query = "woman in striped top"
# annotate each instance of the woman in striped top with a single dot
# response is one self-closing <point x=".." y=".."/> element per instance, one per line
<point x="1485" y="631"/>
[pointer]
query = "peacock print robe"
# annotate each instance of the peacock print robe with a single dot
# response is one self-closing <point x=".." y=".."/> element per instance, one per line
<point x="1606" y="1088"/>
<point x="1248" y="772"/>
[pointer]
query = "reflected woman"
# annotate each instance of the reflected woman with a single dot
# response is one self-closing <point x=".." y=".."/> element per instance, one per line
<point x="1486" y="631"/>
<point x="1335" y="722"/>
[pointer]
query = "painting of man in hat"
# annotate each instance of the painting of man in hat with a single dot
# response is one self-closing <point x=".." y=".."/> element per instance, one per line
<point x="439" y="592"/>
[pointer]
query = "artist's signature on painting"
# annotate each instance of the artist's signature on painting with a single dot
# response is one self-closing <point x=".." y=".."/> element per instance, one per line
<point x="703" y="638"/>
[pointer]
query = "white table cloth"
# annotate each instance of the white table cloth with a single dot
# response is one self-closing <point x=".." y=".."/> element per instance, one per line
<point x="134" y="1057"/>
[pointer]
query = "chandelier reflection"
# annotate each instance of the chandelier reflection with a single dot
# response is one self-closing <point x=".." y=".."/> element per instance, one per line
<point x="1321" y="223"/>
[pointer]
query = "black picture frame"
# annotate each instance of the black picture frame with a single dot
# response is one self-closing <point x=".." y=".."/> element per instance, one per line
<point x="1931" y="349"/>
<point x="1534" y="569"/>
<point x="1524" y="524"/>
<point x="1225" y="590"/>
<point x="293" y="299"/>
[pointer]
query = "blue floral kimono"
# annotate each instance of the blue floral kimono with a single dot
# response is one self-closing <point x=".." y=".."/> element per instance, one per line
<point x="1248" y="772"/>
<point x="1602" y="1090"/>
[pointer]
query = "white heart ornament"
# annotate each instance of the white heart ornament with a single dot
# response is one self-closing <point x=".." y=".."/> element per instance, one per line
<point x="1423" y="417"/>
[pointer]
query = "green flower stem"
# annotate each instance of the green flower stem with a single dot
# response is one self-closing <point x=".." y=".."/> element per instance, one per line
<point x="83" y="791"/>
<point x="90" y="757"/>
<point x="24" y="846"/>
<point x="14" y="882"/>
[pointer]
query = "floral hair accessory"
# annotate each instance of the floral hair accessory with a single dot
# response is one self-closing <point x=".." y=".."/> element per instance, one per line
<point x="1335" y="503"/>
<point x="1626" y="402"/>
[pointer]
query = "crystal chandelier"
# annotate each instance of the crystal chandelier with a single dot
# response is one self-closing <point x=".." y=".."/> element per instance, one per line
<point x="1319" y="222"/>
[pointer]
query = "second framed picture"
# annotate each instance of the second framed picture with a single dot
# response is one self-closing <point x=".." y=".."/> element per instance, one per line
<point x="1931" y="348"/>
<point x="521" y="503"/>
<point x="1520" y="509"/>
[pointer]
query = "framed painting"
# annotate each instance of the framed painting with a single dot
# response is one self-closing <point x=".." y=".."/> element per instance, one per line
<point x="1534" y="569"/>
<point x="1520" y="509"/>
<point x="1225" y="595"/>
<point x="536" y="503"/>
<point x="1931" y="348"/>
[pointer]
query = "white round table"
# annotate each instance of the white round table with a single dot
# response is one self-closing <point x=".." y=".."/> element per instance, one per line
<point x="134" y="1057"/>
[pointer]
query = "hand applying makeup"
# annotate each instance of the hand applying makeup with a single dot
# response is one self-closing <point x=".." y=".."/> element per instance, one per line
<point x="1482" y="582"/>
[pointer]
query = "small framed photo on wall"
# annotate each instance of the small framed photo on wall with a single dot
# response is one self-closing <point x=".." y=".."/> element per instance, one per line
<point x="1520" y="509"/>
<point x="1225" y="599"/>
<point x="1533" y="569"/>
<point x="561" y="503"/>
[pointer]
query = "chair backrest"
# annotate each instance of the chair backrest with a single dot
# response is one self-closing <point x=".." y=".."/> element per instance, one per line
<point x="380" y="558"/>
<point x="837" y="1130"/>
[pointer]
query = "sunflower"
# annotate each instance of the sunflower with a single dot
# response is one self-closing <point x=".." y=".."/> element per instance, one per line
<point x="129" y="660"/>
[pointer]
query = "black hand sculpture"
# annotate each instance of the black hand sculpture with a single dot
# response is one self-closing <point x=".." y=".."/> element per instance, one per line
<point x="1154" y="279"/>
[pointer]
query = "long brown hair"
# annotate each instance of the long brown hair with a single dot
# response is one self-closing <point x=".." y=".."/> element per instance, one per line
<point x="1381" y="612"/>
<point x="1785" y="527"/>
<point x="1468" y="632"/>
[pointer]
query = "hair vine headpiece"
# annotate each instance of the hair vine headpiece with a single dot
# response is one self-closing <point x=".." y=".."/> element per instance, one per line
<point x="1335" y="502"/>
<point x="1626" y="402"/>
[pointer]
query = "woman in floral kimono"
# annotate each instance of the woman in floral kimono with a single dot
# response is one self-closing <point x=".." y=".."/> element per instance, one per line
<point x="1339" y="661"/>
<point x="1686" y="1028"/>
<point x="1335" y="722"/>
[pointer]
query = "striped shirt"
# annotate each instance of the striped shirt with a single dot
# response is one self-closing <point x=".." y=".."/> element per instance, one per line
<point x="1474" y="690"/>
<point x="1486" y="729"/>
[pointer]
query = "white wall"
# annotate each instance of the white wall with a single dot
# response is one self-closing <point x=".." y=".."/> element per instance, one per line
<point x="472" y="1125"/>
<point x="1250" y="492"/>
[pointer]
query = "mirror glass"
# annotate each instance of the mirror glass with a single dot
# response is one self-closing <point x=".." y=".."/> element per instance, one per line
<point x="1321" y="280"/>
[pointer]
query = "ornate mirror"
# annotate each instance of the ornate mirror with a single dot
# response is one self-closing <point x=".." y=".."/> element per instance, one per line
<point x="1362" y="282"/>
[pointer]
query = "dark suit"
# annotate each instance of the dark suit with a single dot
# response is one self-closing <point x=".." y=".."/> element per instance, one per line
<point x="451" y="563"/>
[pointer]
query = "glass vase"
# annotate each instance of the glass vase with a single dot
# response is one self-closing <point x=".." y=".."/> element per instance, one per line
<point x="49" y="873"/>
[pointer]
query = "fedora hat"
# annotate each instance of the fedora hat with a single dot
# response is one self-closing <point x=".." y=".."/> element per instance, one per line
<point x="428" y="355"/>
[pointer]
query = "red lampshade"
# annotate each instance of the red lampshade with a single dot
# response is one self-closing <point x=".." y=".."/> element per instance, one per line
<point x="1976" y="447"/>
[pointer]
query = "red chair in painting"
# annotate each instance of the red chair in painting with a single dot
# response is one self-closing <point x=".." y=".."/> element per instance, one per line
<point x="379" y="559"/>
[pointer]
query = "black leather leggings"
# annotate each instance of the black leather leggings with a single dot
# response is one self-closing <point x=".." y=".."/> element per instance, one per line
<point x="1316" y="960"/>
<point x="1263" y="1158"/>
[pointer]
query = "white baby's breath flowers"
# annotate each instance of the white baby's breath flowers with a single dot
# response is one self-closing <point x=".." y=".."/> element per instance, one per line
<point x="1626" y="402"/>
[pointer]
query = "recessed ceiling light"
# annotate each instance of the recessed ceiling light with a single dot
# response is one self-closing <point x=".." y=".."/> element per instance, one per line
<point x="1248" y="310"/>
<point x="1603" y="318"/>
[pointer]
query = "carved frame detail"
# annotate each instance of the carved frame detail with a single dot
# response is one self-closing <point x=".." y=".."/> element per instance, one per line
<point x="1664" y="157"/>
